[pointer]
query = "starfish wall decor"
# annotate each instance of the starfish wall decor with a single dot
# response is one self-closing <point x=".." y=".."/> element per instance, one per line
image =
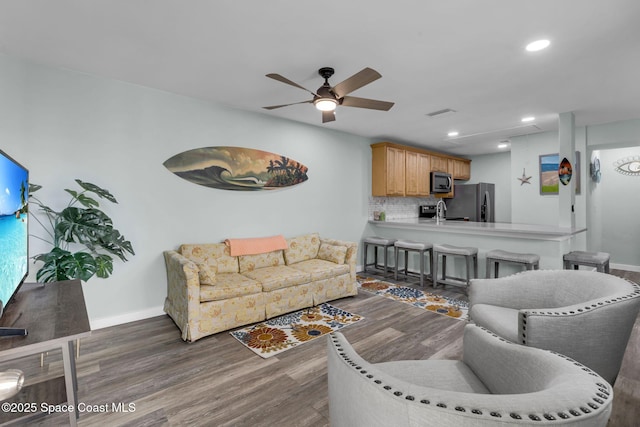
<point x="524" y="179"/>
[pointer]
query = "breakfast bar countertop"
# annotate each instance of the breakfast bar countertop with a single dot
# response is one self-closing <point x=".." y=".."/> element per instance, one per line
<point x="502" y="229"/>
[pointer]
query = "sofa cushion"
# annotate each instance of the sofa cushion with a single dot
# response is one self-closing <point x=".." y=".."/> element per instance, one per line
<point x="254" y="262"/>
<point x="332" y="253"/>
<point x="501" y="320"/>
<point x="320" y="269"/>
<point x="207" y="273"/>
<point x="302" y="248"/>
<point x="229" y="285"/>
<point x="272" y="278"/>
<point x="211" y="253"/>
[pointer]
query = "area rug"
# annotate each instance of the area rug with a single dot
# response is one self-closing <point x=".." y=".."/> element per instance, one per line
<point x="440" y="304"/>
<point x="282" y="333"/>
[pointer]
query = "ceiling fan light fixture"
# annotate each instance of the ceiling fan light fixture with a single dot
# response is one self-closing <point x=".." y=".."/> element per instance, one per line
<point x="325" y="104"/>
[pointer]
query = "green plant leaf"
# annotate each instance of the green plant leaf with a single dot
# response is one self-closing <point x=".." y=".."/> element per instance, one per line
<point x="101" y="192"/>
<point x="85" y="226"/>
<point x="34" y="187"/>
<point x="104" y="265"/>
<point x="51" y="270"/>
<point x="63" y="265"/>
<point x="116" y="244"/>
<point x="83" y="199"/>
<point x="79" y="266"/>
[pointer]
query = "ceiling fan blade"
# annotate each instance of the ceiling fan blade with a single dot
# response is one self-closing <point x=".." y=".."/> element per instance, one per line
<point x="356" y="81"/>
<point x="328" y="116"/>
<point x="273" y="107"/>
<point x="372" y="104"/>
<point x="285" y="80"/>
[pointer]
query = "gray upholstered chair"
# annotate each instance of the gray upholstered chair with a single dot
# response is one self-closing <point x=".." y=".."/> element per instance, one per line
<point x="585" y="315"/>
<point x="11" y="382"/>
<point x="497" y="383"/>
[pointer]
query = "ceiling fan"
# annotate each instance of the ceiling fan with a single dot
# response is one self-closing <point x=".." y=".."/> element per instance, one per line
<point x="327" y="98"/>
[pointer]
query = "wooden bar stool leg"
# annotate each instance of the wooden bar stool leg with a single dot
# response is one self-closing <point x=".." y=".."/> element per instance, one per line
<point x="406" y="263"/>
<point x="434" y="269"/>
<point x="396" y="252"/>
<point x="475" y="266"/>
<point x="385" y="259"/>
<point x="444" y="267"/>
<point x="366" y="246"/>
<point x="422" y="269"/>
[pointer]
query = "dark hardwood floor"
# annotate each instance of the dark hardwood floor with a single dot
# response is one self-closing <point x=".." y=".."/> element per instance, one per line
<point x="217" y="382"/>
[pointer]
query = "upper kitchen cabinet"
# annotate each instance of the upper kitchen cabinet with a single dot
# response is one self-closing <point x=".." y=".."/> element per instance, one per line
<point x="400" y="170"/>
<point x="388" y="170"/>
<point x="439" y="163"/>
<point x="460" y="169"/>
<point x="417" y="168"/>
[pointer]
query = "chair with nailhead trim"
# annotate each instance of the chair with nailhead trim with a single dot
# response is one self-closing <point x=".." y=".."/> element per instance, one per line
<point x="585" y="315"/>
<point x="497" y="383"/>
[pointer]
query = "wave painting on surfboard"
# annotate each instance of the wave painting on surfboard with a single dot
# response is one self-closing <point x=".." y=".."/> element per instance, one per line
<point x="565" y="171"/>
<point x="237" y="168"/>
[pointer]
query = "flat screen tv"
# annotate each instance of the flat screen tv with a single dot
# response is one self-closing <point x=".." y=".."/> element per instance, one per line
<point x="14" y="232"/>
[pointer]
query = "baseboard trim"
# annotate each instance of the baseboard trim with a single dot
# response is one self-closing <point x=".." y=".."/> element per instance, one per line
<point x="626" y="267"/>
<point x="106" y="322"/>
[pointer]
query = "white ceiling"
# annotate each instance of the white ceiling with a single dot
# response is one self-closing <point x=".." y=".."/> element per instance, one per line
<point x="466" y="55"/>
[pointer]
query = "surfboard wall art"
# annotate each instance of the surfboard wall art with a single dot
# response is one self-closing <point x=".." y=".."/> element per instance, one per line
<point x="237" y="168"/>
<point x="565" y="171"/>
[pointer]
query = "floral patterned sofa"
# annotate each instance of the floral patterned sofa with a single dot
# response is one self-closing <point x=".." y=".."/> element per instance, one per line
<point x="210" y="291"/>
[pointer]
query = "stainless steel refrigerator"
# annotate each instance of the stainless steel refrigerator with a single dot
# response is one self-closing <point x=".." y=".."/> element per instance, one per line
<point x="473" y="201"/>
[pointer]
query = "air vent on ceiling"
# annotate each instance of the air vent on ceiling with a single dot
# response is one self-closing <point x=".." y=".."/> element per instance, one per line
<point x="441" y="113"/>
<point x="505" y="133"/>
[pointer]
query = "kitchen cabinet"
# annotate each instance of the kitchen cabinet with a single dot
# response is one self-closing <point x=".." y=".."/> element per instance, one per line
<point x="388" y="171"/>
<point x="439" y="164"/>
<point x="400" y="170"/>
<point x="460" y="169"/>
<point x="418" y="167"/>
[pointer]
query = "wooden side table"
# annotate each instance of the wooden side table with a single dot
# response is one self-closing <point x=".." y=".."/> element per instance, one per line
<point x="55" y="315"/>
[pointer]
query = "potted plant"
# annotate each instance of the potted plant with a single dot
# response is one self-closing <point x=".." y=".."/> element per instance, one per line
<point x="80" y="224"/>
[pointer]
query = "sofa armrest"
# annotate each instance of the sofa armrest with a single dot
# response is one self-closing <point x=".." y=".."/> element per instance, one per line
<point x="352" y="253"/>
<point x="183" y="291"/>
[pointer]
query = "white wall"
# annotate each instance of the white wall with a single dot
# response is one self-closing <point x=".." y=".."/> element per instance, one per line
<point x="528" y="206"/>
<point x="614" y="202"/>
<point x="64" y="125"/>
<point x="608" y="210"/>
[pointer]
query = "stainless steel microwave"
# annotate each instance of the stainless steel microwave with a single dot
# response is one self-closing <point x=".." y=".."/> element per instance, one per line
<point x="441" y="182"/>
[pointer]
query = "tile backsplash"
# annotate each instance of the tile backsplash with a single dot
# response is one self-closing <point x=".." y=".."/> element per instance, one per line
<point x="398" y="207"/>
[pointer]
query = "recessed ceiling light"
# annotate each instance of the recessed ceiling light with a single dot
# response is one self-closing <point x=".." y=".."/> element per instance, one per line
<point x="528" y="119"/>
<point x="537" y="45"/>
<point x="453" y="133"/>
<point x="503" y="145"/>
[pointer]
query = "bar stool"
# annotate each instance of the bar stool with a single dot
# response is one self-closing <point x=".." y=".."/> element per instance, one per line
<point x="411" y="246"/>
<point x="495" y="257"/>
<point x="377" y="243"/>
<point x="470" y="254"/>
<point x="599" y="260"/>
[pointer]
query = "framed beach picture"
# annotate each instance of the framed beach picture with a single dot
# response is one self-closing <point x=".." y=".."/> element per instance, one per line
<point x="549" y="178"/>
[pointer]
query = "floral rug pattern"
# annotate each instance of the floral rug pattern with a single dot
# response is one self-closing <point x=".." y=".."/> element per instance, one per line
<point x="451" y="307"/>
<point x="281" y="333"/>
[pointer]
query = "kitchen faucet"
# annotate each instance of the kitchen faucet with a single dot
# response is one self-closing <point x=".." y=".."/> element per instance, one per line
<point x="440" y="210"/>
